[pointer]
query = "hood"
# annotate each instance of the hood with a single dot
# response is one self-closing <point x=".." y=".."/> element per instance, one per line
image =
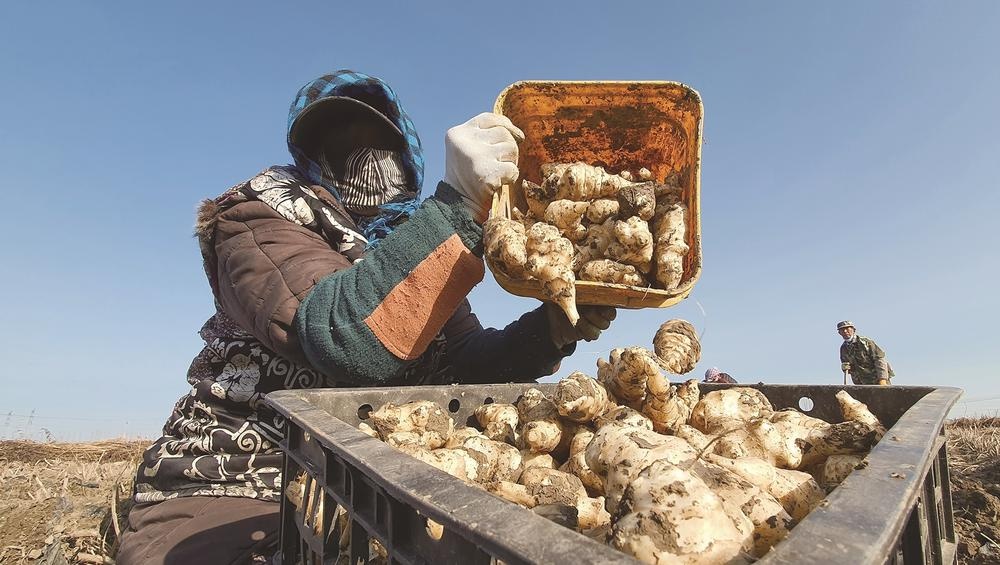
<point x="368" y="90"/>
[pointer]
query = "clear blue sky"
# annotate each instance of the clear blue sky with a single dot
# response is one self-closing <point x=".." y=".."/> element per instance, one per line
<point x="851" y="164"/>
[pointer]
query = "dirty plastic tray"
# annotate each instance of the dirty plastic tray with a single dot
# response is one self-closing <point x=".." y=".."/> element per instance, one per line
<point x="618" y="125"/>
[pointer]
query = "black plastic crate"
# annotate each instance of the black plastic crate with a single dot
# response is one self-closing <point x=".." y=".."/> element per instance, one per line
<point x="895" y="510"/>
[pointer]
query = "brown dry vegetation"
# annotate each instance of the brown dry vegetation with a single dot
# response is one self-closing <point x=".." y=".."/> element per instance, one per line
<point x="64" y="502"/>
<point x="974" y="460"/>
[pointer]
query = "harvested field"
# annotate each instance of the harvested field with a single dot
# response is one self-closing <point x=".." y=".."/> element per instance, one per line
<point x="56" y="499"/>
<point x="64" y="502"/>
<point x="974" y="460"/>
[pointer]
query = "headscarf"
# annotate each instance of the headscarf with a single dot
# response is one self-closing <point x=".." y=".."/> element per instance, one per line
<point x="351" y="84"/>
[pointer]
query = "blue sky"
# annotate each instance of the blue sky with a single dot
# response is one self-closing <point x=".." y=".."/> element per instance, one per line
<point x="850" y="170"/>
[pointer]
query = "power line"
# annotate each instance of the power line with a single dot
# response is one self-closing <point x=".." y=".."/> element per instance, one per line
<point x="987" y="399"/>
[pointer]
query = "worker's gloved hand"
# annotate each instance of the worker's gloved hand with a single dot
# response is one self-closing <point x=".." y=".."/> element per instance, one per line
<point x="593" y="320"/>
<point x="845" y="367"/>
<point x="883" y="382"/>
<point x="481" y="155"/>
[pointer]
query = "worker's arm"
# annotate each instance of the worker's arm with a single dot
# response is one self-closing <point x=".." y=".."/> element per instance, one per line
<point x="521" y="352"/>
<point x="366" y="324"/>
<point x="881" y="367"/>
<point x="362" y="323"/>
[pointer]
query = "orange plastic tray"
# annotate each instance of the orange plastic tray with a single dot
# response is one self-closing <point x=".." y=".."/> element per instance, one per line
<point x="618" y="126"/>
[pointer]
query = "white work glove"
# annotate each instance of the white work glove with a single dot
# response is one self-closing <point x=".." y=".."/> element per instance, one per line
<point x="593" y="320"/>
<point x="481" y="155"/>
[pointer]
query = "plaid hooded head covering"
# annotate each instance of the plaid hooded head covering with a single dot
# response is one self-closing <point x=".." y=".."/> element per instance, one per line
<point x="378" y="95"/>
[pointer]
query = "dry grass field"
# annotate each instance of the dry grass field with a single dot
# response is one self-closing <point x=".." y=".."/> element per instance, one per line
<point x="974" y="460"/>
<point x="63" y="503"/>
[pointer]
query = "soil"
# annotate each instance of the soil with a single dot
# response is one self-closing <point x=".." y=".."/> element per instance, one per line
<point x="974" y="461"/>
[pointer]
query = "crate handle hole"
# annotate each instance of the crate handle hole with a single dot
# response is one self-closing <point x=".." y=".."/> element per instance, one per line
<point x="364" y="411"/>
<point x="806" y="404"/>
<point x="488" y="400"/>
<point x="454" y="405"/>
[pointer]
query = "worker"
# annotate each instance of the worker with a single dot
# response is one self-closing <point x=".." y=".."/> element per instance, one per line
<point x="862" y="357"/>
<point x="297" y="307"/>
<point x="713" y="375"/>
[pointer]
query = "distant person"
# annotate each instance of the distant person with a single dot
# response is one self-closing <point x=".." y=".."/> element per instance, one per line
<point x="713" y="375"/>
<point x="862" y="357"/>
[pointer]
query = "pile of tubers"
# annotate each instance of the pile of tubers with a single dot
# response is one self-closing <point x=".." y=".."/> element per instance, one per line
<point x="657" y="470"/>
<point x="585" y="223"/>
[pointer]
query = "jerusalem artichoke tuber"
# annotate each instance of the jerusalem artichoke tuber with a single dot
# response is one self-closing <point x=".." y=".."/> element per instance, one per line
<point x="617" y="453"/>
<point x="566" y="215"/>
<point x="677" y="346"/>
<point x="580" y="398"/>
<point x="540" y="486"/>
<point x="771" y="522"/>
<point x="541" y="428"/>
<point x="623" y="415"/>
<point x="538" y="197"/>
<point x="670" y="246"/>
<point x="637" y="200"/>
<point x="600" y="210"/>
<point x="858" y="412"/>
<point x="835" y="469"/>
<point x="504" y="246"/>
<point x="550" y="260"/>
<point x="459" y="436"/>
<point x="669" y="407"/>
<point x="625" y="373"/>
<point x="577" y="463"/>
<point x="497" y="461"/>
<point x="633" y="243"/>
<point x="456" y="462"/>
<point x="421" y="417"/>
<point x="606" y="270"/>
<point x="670" y="516"/>
<point x="580" y="181"/>
<point x="499" y="421"/>
<point x="723" y="410"/>
<point x="797" y="491"/>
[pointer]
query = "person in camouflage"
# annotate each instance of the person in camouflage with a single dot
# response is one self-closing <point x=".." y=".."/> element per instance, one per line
<point x="862" y="357"/>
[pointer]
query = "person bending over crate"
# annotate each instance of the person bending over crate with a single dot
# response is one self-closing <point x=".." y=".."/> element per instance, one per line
<point x="331" y="272"/>
<point x="862" y="358"/>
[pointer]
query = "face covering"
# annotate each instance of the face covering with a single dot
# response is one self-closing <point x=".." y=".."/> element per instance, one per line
<point x="371" y="177"/>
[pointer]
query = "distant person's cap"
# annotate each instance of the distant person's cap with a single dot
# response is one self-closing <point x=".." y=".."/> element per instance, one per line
<point x="844" y="324"/>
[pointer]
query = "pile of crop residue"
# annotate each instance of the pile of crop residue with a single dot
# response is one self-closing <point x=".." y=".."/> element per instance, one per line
<point x="974" y="460"/>
<point x="64" y="502"/>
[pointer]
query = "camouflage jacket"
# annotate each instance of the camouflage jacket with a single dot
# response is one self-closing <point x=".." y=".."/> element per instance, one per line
<point x="867" y="360"/>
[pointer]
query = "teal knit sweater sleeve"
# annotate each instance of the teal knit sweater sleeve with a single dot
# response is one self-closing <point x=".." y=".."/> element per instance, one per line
<point x="366" y="324"/>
